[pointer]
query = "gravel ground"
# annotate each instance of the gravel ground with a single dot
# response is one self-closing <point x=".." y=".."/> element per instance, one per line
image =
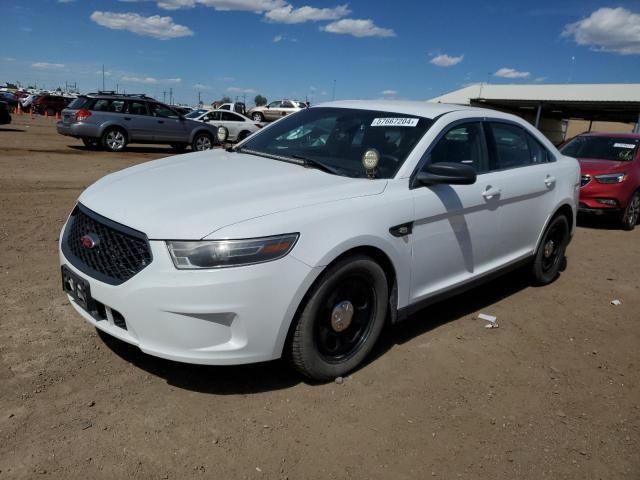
<point x="553" y="393"/>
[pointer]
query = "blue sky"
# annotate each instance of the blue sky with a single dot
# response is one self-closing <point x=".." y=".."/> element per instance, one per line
<point x="409" y="49"/>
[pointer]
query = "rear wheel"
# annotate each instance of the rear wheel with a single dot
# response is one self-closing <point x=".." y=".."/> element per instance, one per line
<point x="242" y="135"/>
<point x="341" y="320"/>
<point x="257" y="117"/>
<point x="631" y="213"/>
<point x="550" y="256"/>
<point x="114" y="140"/>
<point x="202" y="141"/>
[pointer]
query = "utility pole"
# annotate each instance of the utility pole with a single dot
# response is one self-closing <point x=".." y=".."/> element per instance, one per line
<point x="116" y="88"/>
<point x="199" y="100"/>
<point x="103" y="76"/>
<point x="164" y="96"/>
<point x="170" y="96"/>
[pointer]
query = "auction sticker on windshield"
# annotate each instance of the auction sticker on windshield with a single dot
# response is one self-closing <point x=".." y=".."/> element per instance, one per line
<point x="394" y="122"/>
<point x="624" y="145"/>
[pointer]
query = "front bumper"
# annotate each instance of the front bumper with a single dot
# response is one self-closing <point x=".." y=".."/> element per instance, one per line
<point x="78" y="130"/>
<point x="216" y="317"/>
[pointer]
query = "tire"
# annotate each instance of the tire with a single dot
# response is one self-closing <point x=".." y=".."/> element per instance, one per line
<point x="550" y="258"/>
<point x="179" y="147"/>
<point x="341" y="319"/>
<point x="631" y="213"/>
<point x="90" y="143"/>
<point x="242" y="135"/>
<point x="201" y="142"/>
<point x="114" y="139"/>
<point x="257" y="117"/>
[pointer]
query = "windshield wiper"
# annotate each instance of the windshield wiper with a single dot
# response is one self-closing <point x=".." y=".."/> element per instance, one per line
<point x="311" y="163"/>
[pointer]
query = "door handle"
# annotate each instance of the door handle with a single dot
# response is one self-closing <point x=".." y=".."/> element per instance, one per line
<point x="491" y="192"/>
<point x="127" y="118"/>
<point x="549" y="181"/>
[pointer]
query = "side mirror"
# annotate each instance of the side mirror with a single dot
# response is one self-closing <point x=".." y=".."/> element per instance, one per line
<point x="449" y="173"/>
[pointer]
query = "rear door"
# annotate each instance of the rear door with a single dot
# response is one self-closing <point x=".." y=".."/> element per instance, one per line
<point x="168" y="126"/>
<point x="524" y="173"/>
<point x="234" y="123"/>
<point x="272" y="112"/>
<point x="137" y="121"/>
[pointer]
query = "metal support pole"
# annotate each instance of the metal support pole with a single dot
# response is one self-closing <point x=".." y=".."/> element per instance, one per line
<point x="637" y="129"/>
<point x="590" y="125"/>
<point x="538" y="114"/>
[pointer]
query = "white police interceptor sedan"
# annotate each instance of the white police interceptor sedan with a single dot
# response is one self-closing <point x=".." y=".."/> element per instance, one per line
<point x="303" y="240"/>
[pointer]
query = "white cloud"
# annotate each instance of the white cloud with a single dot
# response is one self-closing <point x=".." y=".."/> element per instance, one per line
<point x="511" y="73"/>
<point x="150" y="80"/>
<point x="445" y="60"/>
<point x="257" y="6"/>
<point x="280" y="38"/>
<point x="162" y="28"/>
<point x="288" y="14"/>
<point x="199" y="86"/>
<point x="225" y="79"/>
<point x="47" y="66"/>
<point x="608" y="30"/>
<point x="358" y="28"/>
<point x="389" y="93"/>
<point x="241" y="90"/>
<point x="540" y="79"/>
<point x="66" y="1"/>
<point x="8" y="59"/>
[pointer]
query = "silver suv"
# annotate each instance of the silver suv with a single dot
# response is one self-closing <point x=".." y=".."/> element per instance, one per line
<point x="112" y="121"/>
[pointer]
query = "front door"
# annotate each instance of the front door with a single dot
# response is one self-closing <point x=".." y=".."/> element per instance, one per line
<point x="456" y="226"/>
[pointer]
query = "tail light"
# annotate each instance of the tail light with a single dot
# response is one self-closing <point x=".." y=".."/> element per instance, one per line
<point x="258" y="125"/>
<point x="82" y="114"/>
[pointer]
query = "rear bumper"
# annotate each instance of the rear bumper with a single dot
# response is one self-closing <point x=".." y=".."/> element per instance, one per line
<point x="78" y="130"/>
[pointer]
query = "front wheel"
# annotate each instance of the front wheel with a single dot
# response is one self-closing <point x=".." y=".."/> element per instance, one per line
<point x="202" y="141"/>
<point x="257" y="117"/>
<point x="341" y="319"/>
<point x="631" y="213"/>
<point x="550" y="256"/>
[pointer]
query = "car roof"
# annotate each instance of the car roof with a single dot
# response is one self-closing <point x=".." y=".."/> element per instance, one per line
<point x="610" y="134"/>
<point x="422" y="109"/>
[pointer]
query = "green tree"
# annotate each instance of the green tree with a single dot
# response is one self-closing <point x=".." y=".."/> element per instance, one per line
<point x="260" y="100"/>
<point x="225" y="99"/>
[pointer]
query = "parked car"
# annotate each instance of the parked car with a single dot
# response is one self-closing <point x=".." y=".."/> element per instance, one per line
<point x="610" y="166"/>
<point x="182" y="110"/>
<point x="275" y="110"/>
<point x="5" y="115"/>
<point x="237" y="107"/>
<point x="50" y="104"/>
<point x="27" y="101"/>
<point x="112" y="121"/>
<point x="310" y="235"/>
<point x="10" y="99"/>
<point x="238" y="126"/>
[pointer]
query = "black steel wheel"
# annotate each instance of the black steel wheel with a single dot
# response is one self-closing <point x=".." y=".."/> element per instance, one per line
<point x="341" y="319"/>
<point x="550" y="256"/>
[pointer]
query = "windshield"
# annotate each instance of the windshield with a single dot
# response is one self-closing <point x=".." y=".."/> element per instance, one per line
<point x="196" y="113"/>
<point x="618" y="149"/>
<point x="338" y="137"/>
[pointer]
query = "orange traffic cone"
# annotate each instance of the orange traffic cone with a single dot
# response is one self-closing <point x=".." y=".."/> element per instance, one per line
<point x="46" y="113"/>
<point x="58" y="116"/>
<point x="19" y="109"/>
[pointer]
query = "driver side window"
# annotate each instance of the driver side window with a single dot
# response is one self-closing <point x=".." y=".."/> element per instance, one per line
<point x="274" y="105"/>
<point x="463" y="143"/>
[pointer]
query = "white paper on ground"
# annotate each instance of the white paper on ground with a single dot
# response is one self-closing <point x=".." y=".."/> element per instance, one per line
<point x="488" y="318"/>
<point x="616" y="302"/>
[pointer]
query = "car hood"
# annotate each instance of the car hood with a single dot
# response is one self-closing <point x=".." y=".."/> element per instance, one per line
<point x="594" y="166"/>
<point x="190" y="196"/>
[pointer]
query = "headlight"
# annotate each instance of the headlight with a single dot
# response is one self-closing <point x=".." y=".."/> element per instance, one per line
<point x="230" y="253"/>
<point x="611" y="178"/>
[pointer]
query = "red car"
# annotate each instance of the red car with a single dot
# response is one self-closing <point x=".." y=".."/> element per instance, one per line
<point x="51" y="104"/>
<point x="610" y="166"/>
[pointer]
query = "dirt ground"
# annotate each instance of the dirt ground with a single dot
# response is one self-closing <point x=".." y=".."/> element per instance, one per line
<point x="553" y="393"/>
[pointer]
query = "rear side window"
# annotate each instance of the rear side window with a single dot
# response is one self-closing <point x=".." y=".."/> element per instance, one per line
<point x="462" y="143"/>
<point x="225" y="107"/>
<point x="138" y="108"/>
<point x="80" y="102"/>
<point x="101" y="105"/>
<point x="230" y="117"/>
<point x="539" y="154"/>
<point x="508" y="146"/>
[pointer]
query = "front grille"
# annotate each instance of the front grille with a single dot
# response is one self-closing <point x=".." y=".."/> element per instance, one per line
<point x="584" y="180"/>
<point x="112" y="253"/>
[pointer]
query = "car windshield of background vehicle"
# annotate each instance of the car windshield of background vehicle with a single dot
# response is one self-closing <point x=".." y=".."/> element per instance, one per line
<point x="338" y="138"/>
<point x="79" y="103"/>
<point x="617" y="149"/>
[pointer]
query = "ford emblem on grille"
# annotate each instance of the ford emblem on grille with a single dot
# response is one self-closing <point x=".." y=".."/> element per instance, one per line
<point x="89" y="241"/>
